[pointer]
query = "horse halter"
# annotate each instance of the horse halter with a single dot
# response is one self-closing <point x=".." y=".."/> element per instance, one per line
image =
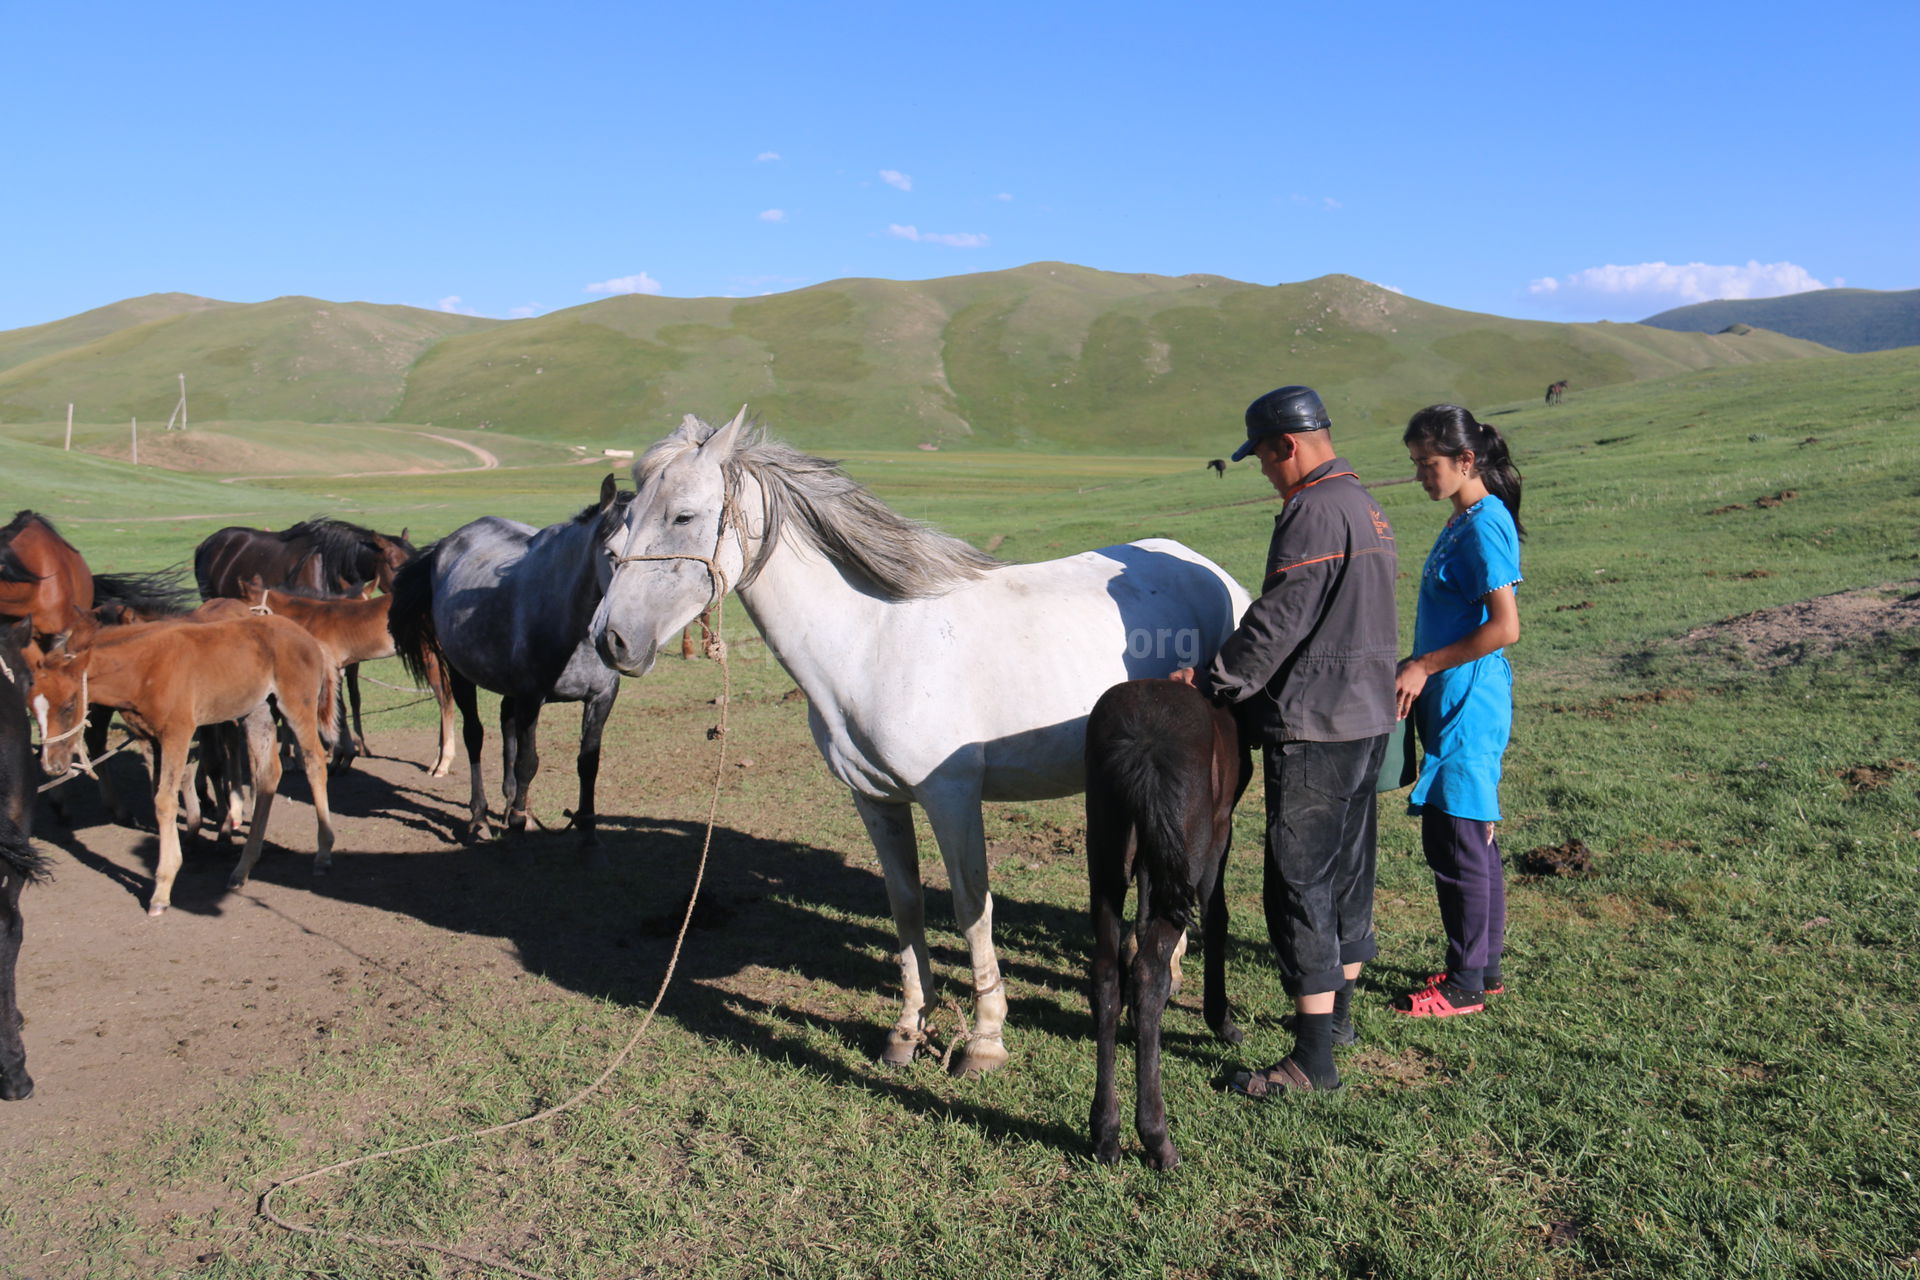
<point x="729" y="515"/>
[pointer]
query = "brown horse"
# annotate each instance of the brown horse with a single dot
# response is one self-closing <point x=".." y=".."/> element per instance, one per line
<point x="1164" y="770"/>
<point x="166" y="679"/>
<point x="1557" y="391"/>
<point x="350" y="631"/>
<point x="322" y="556"/>
<point x="43" y="578"/>
<point x="319" y="557"/>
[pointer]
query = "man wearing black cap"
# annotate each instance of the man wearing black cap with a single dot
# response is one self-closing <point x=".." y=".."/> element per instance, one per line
<point x="1310" y="675"/>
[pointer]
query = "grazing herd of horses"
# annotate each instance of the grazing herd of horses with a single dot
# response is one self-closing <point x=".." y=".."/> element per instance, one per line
<point x="934" y="675"/>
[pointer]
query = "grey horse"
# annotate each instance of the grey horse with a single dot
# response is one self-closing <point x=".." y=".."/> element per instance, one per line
<point x="506" y="608"/>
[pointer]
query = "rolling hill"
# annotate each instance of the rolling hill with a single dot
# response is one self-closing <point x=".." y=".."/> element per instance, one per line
<point x="1844" y="319"/>
<point x="292" y="358"/>
<point x="1048" y="355"/>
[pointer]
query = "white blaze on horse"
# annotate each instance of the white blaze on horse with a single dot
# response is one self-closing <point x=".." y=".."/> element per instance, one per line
<point x="933" y="673"/>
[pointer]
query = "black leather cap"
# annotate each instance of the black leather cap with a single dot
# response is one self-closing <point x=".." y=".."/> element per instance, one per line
<point x="1289" y="410"/>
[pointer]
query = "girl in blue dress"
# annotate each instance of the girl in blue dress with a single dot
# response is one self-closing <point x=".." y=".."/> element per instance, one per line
<point x="1459" y="690"/>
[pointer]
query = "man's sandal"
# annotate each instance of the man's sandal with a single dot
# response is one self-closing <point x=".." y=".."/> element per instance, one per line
<point x="1284" y="1076"/>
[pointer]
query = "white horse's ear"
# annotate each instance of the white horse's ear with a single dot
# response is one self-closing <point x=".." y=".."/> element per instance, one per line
<point x="690" y="429"/>
<point x="727" y="439"/>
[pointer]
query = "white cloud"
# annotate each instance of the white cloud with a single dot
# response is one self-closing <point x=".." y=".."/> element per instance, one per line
<point x="640" y="283"/>
<point x="773" y="215"/>
<point x="765" y="156"/>
<point x="1330" y="203"/>
<point x="1660" y="284"/>
<point x="952" y="239"/>
<point x="895" y="178"/>
<point x="531" y="309"/>
<point x="453" y="306"/>
<point x="1004" y="195"/>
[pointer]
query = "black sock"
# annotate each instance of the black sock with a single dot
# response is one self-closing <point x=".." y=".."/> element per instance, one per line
<point x="1313" y="1048"/>
<point x="1343" y="1011"/>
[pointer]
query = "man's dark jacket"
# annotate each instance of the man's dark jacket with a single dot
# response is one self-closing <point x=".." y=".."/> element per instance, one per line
<point x="1314" y="657"/>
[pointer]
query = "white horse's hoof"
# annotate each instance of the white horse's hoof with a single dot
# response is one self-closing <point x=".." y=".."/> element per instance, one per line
<point x="156" y="909"/>
<point x="901" y="1047"/>
<point x="977" y="1057"/>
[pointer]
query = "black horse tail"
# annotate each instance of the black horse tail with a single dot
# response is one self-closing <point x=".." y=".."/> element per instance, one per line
<point x="329" y="710"/>
<point x="410" y="618"/>
<point x="1149" y="744"/>
<point x="18" y="855"/>
<point x="142" y="597"/>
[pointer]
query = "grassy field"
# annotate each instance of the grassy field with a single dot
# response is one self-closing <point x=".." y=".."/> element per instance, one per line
<point x="1705" y="1067"/>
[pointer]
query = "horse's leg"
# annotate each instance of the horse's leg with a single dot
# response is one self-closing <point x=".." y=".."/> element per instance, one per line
<point x="890" y="827"/>
<point x="1108" y="858"/>
<point x="953" y="811"/>
<point x="169" y="767"/>
<point x="593" y="723"/>
<point x="240" y="745"/>
<point x="519" y="755"/>
<point x="304" y="719"/>
<point x="475" y="735"/>
<point x="15" y="1083"/>
<point x="99" y="719"/>
<point x="1213" y="892"/>
<point x="1151" y="982"/>
<point x="190" y="796"/>
<point x="353" y="695"/>
<point x="263" y="754"/>
<point x="443" y="694"/>
<point x="343" y="745"/>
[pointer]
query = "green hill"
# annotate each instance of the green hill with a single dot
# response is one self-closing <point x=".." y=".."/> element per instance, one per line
<point x="292" y="358"/>
<point x="1048" y="356"/>
<point x="18" y="346"/>
<point x="1844" y="319"/>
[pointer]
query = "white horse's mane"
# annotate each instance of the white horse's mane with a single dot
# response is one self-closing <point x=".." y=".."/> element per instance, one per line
<point x="899" y="558"/>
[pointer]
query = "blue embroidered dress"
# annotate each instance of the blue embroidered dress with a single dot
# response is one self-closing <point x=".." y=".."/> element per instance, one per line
<point x="1465" y="714"/>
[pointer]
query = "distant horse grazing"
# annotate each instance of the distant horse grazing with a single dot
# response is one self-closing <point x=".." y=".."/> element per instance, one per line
<point x="19" y="862"/>
<point x="933" y="672"/>
<point x="318" y="557"/>
<point x="505" y="607"/>
<point x="1557" y="392"/>
<point x="1219" y="465"/>
<point x="1164" y="770"/>
<point x="166" y="679"/>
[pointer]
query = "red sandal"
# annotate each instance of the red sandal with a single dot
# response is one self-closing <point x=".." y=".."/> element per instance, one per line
<point x="1441" y="1000"/>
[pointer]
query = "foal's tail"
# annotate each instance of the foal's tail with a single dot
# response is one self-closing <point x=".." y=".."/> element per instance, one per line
<point x="329" y="711"/>
<point x="18" y="855"/>
<point x="1149" y="755"/>
<point x="410" y="619"/>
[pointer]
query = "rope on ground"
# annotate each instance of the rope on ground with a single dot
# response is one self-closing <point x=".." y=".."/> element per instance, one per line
<point x="718" y="651"/>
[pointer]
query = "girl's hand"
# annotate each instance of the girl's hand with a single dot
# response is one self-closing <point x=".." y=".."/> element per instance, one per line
<point x="1408" y="681"/>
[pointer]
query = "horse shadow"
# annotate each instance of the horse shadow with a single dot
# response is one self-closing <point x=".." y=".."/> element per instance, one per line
<point x="766" y="905"/>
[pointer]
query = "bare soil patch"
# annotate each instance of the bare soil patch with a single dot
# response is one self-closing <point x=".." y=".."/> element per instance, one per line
<point x="1872" y="777"/>
<point x="1570" y="859"/>
<point x="1789" y="634"/>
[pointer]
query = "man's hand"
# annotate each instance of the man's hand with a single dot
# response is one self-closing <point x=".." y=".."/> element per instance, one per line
<point x="1184" y="675"/>
<point x="1408" y="680"/>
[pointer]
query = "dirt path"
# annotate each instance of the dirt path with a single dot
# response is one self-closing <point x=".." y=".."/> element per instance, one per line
<point x="131" y="1020"/>
<point x="487" y="461"/>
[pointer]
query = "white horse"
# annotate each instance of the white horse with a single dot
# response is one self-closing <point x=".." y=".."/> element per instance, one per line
<point x="933" y="672"/>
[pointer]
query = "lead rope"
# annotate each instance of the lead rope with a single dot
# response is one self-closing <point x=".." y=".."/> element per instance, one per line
<point x="717" y="650"/>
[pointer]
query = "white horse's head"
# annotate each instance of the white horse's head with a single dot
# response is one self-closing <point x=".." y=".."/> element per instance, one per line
<point x="684" y="517"/>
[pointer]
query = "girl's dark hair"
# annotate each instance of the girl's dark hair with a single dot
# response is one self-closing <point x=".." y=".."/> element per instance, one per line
<point x="1449" y="430"/>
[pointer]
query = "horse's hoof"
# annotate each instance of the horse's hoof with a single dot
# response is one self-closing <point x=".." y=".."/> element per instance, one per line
<point x="1162" y="1158"/>
<point x="977" y="1057"/>
<point x="440" y="772"/>
<point x="156" y="909"/>
<point x="900" y="1049"/>
<point x="234" y="882"/>
<point x="1228" y="1033"/>
<point x="320" y="869"/>
<point x="1107" y="1151"/>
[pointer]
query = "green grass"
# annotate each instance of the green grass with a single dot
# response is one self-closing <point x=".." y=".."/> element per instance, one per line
<point x="1844" y="319"/>
<point x="1705" y="1067"/>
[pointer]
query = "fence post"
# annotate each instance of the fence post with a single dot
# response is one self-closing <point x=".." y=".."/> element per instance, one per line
<point x="69" y="425"/>
<point x="136" y="441"/>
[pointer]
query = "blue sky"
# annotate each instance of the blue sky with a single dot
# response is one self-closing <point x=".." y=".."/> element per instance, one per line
<point x="518" y="159"/>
